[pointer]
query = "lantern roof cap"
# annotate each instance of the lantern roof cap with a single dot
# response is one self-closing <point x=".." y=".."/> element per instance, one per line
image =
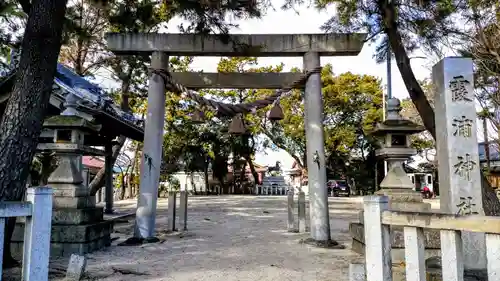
<point x="395" y="123"/>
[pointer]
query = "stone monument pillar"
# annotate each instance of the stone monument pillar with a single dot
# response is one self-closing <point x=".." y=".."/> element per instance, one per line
<point x="77" y="224"/>
<point x="457" y="150"/>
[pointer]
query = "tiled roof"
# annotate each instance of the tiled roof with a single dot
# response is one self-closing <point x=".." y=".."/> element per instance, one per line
<point x="89" y="96"/>
<point x="93" y="162"/>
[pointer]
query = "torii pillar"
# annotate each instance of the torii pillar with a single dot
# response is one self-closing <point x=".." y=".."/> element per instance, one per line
<point x="309" y="46"/>
<point x="152" y="151"/>
<point x="315" y="147"/>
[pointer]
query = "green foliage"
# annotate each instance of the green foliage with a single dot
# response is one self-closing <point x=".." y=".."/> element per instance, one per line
<point x="352" y="106"/>
<point x="423" y="141"/>
<point x="12" y="20"/>
<point x="173" y="184"/>
<point x="421" y="24"/>
<point x="484" y="49"/>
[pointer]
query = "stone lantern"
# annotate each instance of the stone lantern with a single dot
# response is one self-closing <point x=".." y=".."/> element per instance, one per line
<point x="394" y="135"/>
<point x="78" y="226"/>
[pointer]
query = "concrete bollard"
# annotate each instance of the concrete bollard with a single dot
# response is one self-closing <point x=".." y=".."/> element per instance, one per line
<point x="357" y="272"/>
<point x="301" y="202"/>
<point x="291" y="207"/>
<point x="98" y="198"/>
<point x="171" y="210"/>
<point x="76" y="268"/>
<point x="183" y="206"/>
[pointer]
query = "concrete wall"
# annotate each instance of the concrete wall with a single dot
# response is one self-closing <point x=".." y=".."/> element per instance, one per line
<point x="193" y="181"/>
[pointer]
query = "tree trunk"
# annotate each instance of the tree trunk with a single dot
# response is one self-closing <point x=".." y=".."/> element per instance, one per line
<point x="130" y="176"/>
<point x="124" y="184"/>
<point x="137" y="172"/>
<point x="491" y="204"/>
<point x="99" y="180"/>
<point x="302" y="163"/>
<point x="252" y="169"/>
<point x="21" y="124"/>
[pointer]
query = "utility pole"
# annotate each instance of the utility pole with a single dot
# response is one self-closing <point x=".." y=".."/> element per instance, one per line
<point x="389" y="89"/>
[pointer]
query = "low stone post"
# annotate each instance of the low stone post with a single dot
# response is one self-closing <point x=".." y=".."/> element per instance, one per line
<point x="183" y="206"/>
<point x="76" y="268"/>
<point x="291" y="207"/>
<point x="98" y="198"/>
<point x="357" y="272"/>
<point x="37" y="235"/>
<point x="172" y="196"/>
<point x="377" y="239"/>
<point x="302" y="211"/>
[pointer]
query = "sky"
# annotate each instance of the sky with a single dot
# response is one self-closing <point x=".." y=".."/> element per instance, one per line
<point x="309" y="20"/>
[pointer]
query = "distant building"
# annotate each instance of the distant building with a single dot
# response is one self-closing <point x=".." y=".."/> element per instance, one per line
<point x="494" y="172"/>
<point x="195" y="181"/>
<point x="295" y="176"/>
<point x="92" y="165"/>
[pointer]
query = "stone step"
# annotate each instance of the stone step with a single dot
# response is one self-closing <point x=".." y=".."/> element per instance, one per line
<point x="71" y="233"/>
<point x="72" y="216"/>
<point x="66" y="249"/>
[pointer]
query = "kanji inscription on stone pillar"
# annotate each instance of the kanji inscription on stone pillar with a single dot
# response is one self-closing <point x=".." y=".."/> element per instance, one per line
<point x="463" y="127"/>
<point x="457" y="149"/>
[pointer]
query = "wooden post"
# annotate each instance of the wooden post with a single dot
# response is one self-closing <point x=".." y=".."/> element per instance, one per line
<point x="171" y="210"/>
<point x="108" y="175"/>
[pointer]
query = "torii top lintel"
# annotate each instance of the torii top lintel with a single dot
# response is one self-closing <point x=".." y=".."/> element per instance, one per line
<point x="260" y="45"/>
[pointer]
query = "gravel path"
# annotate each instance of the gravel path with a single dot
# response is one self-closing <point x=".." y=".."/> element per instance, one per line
<point x="230" y="238"/>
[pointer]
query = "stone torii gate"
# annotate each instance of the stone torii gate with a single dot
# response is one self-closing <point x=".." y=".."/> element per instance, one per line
<point x="161" y="46"/>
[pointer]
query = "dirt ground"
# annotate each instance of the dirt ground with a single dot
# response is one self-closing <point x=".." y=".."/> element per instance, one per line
<point x="228" y="238"/>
